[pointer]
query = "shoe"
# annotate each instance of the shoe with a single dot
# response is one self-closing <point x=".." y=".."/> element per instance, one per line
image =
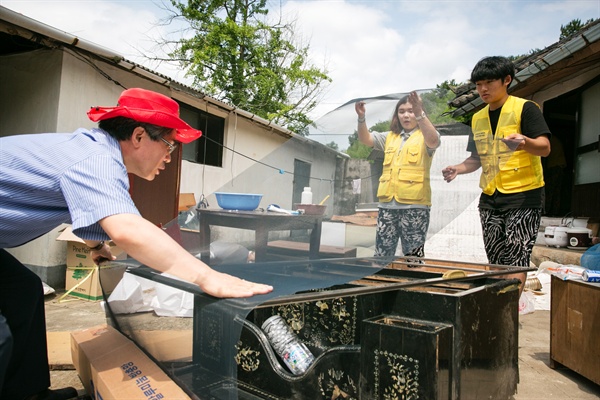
<point x="56" y="394"/>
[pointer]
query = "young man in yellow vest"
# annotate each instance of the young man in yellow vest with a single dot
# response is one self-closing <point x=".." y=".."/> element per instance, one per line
<point x="509" y="137"/>
<point x="404" y="190"/>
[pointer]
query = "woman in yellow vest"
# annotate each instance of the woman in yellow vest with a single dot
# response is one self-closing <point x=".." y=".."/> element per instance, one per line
<point x="509" y="137"/>
<point x="404" y="191"/>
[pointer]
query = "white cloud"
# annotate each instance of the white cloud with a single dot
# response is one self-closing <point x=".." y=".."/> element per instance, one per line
<point x="128" y="28"/>
<point x="370" y="48"/>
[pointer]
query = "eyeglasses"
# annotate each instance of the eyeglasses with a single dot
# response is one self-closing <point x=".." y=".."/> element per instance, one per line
<point x="170" y="145"/>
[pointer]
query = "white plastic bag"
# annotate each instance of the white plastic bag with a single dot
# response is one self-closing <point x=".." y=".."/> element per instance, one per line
<point x="136" y="294"/>
<point x="172" y="302"/>
<point x="526" y="303"/>
<point x="131" y="295"/>
<point x="564" y="272"/>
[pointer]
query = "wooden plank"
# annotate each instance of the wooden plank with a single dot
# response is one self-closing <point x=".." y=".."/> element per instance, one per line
<point x="301" y="248"/>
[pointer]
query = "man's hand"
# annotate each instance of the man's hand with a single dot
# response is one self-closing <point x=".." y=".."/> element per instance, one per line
<point x="102" y="255"/>
<point x="219" y="284"/>
<point x="449" y="173"/>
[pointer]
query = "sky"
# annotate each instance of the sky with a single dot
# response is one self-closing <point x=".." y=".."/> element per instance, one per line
<point x="369" y="48"/>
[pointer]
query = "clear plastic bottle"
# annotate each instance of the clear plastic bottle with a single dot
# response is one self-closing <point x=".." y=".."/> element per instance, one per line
<point x="286" y="344"/>
<point x="306" y="196"/>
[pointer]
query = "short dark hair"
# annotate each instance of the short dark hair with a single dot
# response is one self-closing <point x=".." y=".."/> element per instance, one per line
<point x="494" y="67"/>
<point x="395" y="125"/>
<point x="121" y="128"/>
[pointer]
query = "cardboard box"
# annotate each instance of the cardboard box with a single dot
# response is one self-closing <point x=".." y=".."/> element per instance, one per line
<point x="84" y="283"/>
<point x="82" y="275"/>
<point x="186" y="200"/>
<point x="111" y="366"/>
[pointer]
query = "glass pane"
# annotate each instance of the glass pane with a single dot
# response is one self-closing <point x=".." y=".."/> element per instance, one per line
<point x="587" y="169"/>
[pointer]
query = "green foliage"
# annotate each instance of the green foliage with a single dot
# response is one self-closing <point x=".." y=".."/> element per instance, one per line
<point x="445" y="92"/>
<point x="517" y="59"/>
<point x="436" y="103"/>
<point x="381" y="126"/>
<point x="572" y="27"/>
<point x="333" y="145"/>
<point x="235" y="55"/>
<point x="357" y="149"/>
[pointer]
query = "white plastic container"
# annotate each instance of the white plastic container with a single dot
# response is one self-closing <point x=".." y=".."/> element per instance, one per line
<point x="556" y="236"/>
<point x="306" y="196"/>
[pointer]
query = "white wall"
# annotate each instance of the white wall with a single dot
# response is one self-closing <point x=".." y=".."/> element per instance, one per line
<point x="241" y="173"/>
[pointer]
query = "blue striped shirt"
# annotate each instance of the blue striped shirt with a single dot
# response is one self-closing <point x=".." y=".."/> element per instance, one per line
<point x="50" y="179"/>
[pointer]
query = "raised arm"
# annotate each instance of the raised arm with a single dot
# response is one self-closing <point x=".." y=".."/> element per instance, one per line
<point x="364" y="136"/>
<point x="430" y="134"/>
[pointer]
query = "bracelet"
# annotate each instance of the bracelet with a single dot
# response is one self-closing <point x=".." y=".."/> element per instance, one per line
<point x="99" y="246"/>
<point x="361" y="120"/>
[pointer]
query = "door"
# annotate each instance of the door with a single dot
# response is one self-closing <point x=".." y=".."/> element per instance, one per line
<point x="301" y="179"/>
<point x="158" y="200"/>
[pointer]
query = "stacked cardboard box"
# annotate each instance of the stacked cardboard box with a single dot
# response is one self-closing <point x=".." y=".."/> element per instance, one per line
<point x="111" y="366"/>
<point x="83" y="277"/>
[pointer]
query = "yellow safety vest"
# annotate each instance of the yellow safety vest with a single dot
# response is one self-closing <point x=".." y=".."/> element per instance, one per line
<point x="503" y="169"/>
<point x="405" y="175"/>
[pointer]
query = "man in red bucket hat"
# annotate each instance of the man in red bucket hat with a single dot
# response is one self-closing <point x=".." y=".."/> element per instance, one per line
<point x="82" y="178"/>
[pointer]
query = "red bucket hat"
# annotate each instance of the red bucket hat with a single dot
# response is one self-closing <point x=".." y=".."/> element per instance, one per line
<point x="150" y="107"/>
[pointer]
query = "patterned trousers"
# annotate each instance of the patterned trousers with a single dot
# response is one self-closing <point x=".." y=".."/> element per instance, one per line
<point x="509" y="235"/>
<point x="407" y="225"/>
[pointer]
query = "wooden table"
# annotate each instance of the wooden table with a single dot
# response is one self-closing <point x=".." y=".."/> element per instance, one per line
<point x="575" y="327"/>
<point x="261" y="222"/>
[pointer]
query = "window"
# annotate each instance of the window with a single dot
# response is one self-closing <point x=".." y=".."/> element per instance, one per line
<point x="209" y="148"/>
<point x="587" y="167"/>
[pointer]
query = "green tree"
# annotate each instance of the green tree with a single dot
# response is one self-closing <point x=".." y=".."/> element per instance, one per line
<point x="436" y="103"/>
<point x="333" y="145"/>
<point x="237" y="55"/>
<point x="572" y="27"/>
<point x="439" y="101"/>
<point x="359" y="150"/>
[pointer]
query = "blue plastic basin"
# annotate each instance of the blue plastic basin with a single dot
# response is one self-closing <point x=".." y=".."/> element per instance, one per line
<point x="238" y="201"/>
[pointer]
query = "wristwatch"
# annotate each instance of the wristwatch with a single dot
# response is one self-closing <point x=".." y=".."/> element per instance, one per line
<point x="420" y="117"/>
<point x="98" y="247"/>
